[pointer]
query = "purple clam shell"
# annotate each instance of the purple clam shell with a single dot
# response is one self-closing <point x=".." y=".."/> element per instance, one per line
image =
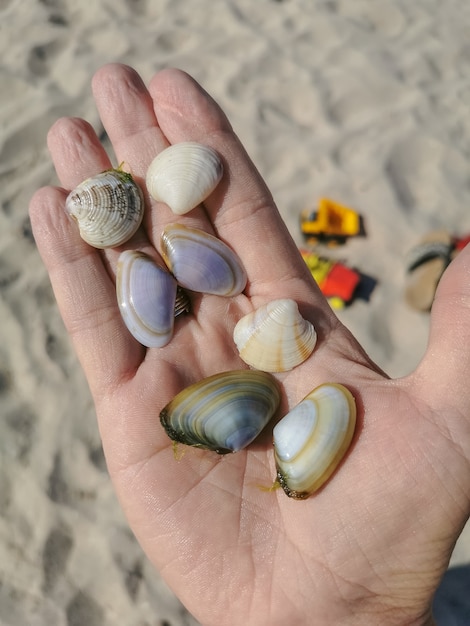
<point x="201" y="262"/>
<point x="146" y="296"/>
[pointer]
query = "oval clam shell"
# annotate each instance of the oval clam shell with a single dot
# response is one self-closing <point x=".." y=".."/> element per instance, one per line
<point x="201" y="262"/>
<point x="311" y="440"/>
<point x="184" y="175"/>
<point x="224" y="412"/>
<point x="275" y="337"/>
<point x="108" y="208"/>
<point x="146" y="296"/>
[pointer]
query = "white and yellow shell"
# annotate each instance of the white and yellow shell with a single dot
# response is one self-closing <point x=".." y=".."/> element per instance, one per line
<point x="311" y="440"/>
<point x="184" y="175"/>
<point x="108" y="208"/>
<point x="275" y="337"/>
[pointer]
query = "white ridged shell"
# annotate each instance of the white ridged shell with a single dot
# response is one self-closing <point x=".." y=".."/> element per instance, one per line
<point x="146" y="296"/>
<point x="275" y="337"/>
<point x="201" y="262"/>
<point x="311" y="440"/>
<point x="108" y="208"/>
<point x="184" y="175"/>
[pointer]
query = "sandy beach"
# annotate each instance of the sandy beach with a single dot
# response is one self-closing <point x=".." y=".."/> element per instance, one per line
<point x="364" y="102"/>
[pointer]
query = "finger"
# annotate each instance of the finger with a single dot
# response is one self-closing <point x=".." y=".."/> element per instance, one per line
<point x="78" y="154"/>
<point x="241" y="208"/>
<point x="85" y="295"/>
<point x="76" y="151"/>
<point x="443" y="373"/>
<point x="126" y="110"/>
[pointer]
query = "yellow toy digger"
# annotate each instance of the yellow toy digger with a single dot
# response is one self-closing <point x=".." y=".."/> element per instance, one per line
<point x="331" y="222"/>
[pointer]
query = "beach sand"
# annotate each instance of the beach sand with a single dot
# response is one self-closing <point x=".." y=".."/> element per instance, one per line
<point x="361" y="101"/>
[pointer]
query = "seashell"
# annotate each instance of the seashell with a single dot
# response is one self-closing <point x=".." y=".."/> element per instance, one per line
<point x="146" y="296"/>
<point x="311" y="440"/>
<point x="275" y="337"/>
<point x="108" y="208"/>
<point x="224" y="412"/>
<point x="201" y="262"/>
<point x="184" y="175"/>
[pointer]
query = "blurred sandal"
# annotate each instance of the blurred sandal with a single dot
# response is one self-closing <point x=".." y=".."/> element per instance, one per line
<point x="426" y="263"/>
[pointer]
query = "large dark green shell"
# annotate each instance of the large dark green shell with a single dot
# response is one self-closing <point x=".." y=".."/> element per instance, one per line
<point x="224" y="412"/>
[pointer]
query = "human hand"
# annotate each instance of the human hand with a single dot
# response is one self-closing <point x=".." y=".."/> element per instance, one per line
<point x="372" y="545"/>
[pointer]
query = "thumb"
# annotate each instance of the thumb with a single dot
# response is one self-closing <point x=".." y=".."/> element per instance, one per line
<point x="444" y="370"/>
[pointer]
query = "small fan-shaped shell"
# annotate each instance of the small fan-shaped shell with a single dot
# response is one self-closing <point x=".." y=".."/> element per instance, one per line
<point x="224" y="412"/>
<point x="184" y="175"/>
<point x="201" y="262"/>
<point x="311" y="440"/>
<point x="275" y="337"/>
<point x="108" y="208"/>
<point x="146" y="296"/>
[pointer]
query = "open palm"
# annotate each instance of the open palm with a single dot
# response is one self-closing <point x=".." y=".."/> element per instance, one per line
<point x="368" y="548"/>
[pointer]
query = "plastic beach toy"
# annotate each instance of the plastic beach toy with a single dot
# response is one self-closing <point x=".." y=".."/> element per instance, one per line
<point x="330" y="222"/>
<point x="337" y="282"/>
